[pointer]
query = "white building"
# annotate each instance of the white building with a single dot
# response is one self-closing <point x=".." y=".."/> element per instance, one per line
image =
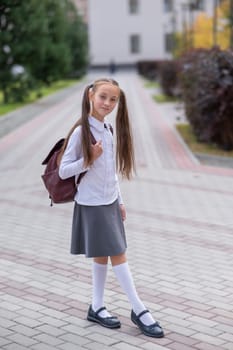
<point x="128" y="31"/>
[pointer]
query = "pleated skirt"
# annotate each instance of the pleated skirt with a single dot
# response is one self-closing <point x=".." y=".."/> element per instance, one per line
<point x="98" y="230"/>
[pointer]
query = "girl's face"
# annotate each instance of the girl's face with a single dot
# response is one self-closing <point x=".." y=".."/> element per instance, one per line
<point x="103" y="100"/>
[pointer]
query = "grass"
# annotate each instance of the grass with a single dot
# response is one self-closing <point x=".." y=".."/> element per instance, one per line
<point x="33" y="96"/>
<point x="164" y="98"/>
<point x="188" y="136"/>
<point x="151" y="84"/>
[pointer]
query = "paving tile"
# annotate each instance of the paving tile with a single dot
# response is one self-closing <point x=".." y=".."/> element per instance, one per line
<point x="70" y="346"/>
<point x="205" y="346"/>
<point x="95" y="345"/>
<point x="208" y="339"/>
<point x="102" y="339"/>
<point x="14" y="346"/>
<point x="74" y="339"/>
<point x="124" y="346"/>
<point x="179" y="231"/>
<point x="22" y="339"/>
<point x="4" y="341"/>
<point x="27" y="331"/>
<point x="43" y="346"/>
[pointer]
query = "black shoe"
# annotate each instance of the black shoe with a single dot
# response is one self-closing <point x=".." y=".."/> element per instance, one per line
<point x="154" y="330"/>
<point x="109" y="322"/>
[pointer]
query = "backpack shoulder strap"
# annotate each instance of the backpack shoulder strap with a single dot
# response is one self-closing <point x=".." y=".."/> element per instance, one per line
<point x="111" y="128"/>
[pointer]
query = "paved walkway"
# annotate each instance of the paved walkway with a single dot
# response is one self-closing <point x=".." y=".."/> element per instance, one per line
<point x="180" y="238"/>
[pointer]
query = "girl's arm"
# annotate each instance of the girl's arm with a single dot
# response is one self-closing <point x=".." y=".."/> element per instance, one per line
<point x="120" y="201"/>
<point x="123" y="211"/>
<point x="72" y="162"/>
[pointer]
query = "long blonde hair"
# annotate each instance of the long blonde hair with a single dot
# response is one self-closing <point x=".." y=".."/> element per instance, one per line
<point x="125" y="161"/>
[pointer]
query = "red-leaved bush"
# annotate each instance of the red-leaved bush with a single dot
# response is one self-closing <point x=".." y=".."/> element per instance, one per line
<point x="206" y="81"/>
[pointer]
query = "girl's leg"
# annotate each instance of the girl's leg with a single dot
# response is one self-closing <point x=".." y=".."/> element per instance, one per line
<point x="97" y="312"/>
<point x="99" y="274"/>
<point x="122" y="271"/>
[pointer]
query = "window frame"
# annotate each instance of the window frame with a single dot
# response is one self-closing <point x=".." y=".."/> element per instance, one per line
<point x="133" y="7"/>
<point x="168" y="6"/>
<point x="135" y="43"/>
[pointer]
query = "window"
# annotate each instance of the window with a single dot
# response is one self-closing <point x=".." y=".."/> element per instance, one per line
<point x="169" y="42"/>
<point x="200" y="5"/>
<point x="168" y="5"/>
<point x="133" y="6"/>
<point x="134" y="43"/>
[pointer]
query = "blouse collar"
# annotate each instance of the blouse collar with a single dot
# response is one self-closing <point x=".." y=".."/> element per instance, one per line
<point x="96" y="124"/>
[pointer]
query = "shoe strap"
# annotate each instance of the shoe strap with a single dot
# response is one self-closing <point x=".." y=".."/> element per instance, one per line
<point x="142" y="313"/>
<point x="100" y="309"/>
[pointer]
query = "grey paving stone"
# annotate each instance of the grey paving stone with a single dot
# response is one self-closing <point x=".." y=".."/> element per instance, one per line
<point x="179" y="230"/>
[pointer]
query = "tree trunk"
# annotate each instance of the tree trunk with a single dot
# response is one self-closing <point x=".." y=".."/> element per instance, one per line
<point x="5" y="95"/>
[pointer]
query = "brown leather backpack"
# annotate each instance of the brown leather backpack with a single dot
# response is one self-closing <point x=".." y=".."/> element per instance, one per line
<point x="60" y="191"/>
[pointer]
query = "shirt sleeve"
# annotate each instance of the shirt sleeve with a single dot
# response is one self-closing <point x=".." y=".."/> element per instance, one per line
<point x="120" y="199"/>
<point x="72" y="162"/>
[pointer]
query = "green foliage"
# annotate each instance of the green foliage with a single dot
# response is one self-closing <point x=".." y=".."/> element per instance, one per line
<point x="34" y="95"/>
<point x="38" y="38"/>
<point x="207" y="89"/>
<point x="164" y="98"/>
<point x="77" y="40"/>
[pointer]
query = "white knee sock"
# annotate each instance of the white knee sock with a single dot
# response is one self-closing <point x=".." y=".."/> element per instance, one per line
<point x="99" y="274"/>
<point x="125" y="279"/>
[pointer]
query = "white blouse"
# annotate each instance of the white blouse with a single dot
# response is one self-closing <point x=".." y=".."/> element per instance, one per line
<point x="99" y="186"/>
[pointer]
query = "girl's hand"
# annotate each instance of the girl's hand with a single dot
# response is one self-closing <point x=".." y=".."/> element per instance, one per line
<point x="123" y="212"/>
<point x="97" y="150"/>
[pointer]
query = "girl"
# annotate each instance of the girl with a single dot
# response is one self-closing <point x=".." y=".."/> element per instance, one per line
<point x="99" y="212"/>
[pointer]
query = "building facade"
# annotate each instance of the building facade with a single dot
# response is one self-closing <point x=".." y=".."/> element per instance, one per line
<point x="128" y="31"/>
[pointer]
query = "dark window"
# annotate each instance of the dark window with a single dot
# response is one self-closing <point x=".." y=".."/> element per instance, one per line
<point x="133" y="6"/>
<point x="134" y="43"/>
<point x="200" y="5"/>
<point x="169" y="42"/>
<point x="168" y="5"/>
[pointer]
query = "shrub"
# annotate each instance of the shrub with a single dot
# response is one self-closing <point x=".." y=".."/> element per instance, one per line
<point x="168" y="76"/>
<point x="207" y="91"/>
<point x="149" y="69"/>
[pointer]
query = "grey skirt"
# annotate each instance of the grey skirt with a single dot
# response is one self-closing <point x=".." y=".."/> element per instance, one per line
<point x="98" y="230"/>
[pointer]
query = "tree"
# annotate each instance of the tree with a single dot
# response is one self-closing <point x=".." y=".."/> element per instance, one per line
<point x="77" y="40"/>
<point x="38" y="38"/>
<point x="56" y="56"/>
<point x="10" y="26"/>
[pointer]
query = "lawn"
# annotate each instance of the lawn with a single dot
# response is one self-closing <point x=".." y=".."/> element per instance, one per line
<point x="161" y="98"/>
<point x="188" y="136"/>
<point x="33" y="96"/>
